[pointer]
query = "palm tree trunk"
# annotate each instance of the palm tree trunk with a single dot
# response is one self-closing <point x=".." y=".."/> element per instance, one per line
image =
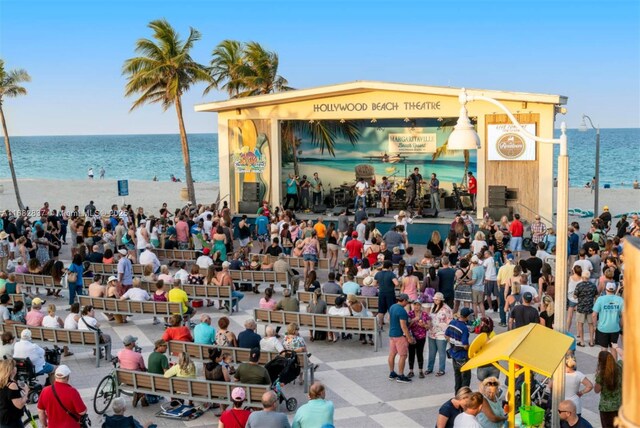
<point x="10" y="159"/>
<point x="186" y="158"/>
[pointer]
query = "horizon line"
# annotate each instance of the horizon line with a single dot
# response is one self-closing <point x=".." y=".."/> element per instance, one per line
<point x="212" y="133"/>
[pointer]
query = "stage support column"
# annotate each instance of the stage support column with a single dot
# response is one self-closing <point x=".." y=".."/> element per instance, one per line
<point x="224" y="167"/>
<point x="276" y="163"/>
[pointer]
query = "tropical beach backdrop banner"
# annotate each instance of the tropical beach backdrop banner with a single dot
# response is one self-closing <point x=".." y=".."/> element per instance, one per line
<point x="393" y="147"/>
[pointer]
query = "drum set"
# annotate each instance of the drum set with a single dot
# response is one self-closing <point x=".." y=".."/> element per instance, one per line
<point x="346" y="193"/>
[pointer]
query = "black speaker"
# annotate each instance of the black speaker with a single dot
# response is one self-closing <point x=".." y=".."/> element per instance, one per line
<point x="319" y="209"/>
<point x="245" y="207"/>
<point x="431" y="213"/>
<point x="497" y="212"/>
<point x="338" y="210"/>
<point x="251" y="192"/>
<point x="374" y="212"/>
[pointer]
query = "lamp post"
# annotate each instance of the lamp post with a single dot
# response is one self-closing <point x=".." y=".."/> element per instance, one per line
<point x="465" y="137"/>
<point x="584" y="128"/>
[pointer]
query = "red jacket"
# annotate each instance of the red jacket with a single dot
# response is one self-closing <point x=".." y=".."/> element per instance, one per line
<point x="516" y="229"/>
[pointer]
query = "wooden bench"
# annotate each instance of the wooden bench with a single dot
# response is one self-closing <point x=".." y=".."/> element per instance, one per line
<point x="130" y="307"/>
<point x="200" y="352"/>
<point x="189" y="389"/>
<point x="321" y="322"/>
<point x="258" y="277"/>
<point x="175" y="255"/>
<point x="370" y="302"/>
<point x="30" y="280"/>
<point x="296" y="262"/>
<point x="198" y="291"/>
<point x="60" y="336"/>
<point x="112" y="269"/>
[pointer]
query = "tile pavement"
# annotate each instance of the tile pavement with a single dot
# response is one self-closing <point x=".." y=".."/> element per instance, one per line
<point x="355" y="376"/>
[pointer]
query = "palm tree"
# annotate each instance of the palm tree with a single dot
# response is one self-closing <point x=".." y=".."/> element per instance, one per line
<point x="444" y="150"/>
<point x="227" y="68"/>
<point x="10" y="87"/>
<point x="245" y="69"/>
<point x="323" y="134"/>
<point x="162" y="73"/>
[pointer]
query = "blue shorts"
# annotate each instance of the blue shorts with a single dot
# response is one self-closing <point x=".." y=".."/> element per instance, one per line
<point x="48" y="368"/>
<point x="385" y="301"/>
<point x="310" y="258"/>
<point x="571" y="304"/>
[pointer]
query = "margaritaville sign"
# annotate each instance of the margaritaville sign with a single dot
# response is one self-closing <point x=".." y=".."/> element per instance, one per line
<point x="377" y="106"/>
<point x="412" y="143"/>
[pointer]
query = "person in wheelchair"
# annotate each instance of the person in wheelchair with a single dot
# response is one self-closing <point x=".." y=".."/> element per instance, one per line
<point x="27" y="349"/>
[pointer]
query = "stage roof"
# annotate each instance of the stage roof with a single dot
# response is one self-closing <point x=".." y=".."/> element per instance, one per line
<point x="364" y="86"/>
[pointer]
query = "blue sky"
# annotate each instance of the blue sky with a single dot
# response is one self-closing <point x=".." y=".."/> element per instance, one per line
<point x="74" y="50"/>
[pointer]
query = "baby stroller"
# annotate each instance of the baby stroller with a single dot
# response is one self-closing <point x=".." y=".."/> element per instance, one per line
<point x="284" y="369"/>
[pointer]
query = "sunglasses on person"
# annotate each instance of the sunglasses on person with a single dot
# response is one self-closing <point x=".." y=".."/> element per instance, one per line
<point x="563" y="411"/>
<point x="492" y="384"/>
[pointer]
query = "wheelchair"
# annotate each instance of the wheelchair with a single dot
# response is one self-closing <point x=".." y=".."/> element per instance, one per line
<point x="26" y="373"/>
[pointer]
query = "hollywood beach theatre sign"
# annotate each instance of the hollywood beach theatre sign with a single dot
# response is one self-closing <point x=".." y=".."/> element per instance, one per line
<point x="506" y="143"/>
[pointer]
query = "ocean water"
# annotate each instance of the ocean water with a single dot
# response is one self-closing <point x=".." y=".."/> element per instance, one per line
<point x="141" y="157"/>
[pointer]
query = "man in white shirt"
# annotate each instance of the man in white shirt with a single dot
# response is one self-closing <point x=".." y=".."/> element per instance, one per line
<point x="136" y="293"/>
<point x="148" y="257"/>
<point x="182" y="273"/>
<point x="204" y="261"/>
<point x="361" y="228"/>
<point x="270" y="342"/>
<point x="490" y="279"/>
<point x="361" y="193"/>
<point x="26" y="349"/>
<point x="4" y="311"/>
<point x="207" y="225"/>
<point x="583" y="262"/>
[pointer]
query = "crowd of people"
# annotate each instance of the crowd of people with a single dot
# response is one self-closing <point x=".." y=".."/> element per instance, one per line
<point x="434" y="300"/>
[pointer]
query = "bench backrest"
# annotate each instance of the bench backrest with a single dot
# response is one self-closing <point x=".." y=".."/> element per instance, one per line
<point x="296" y="262"/>
<point x="320" y="322"/>
<point x="112" y="269"/>
<point x="177" y="255"/>
<point x="260" y="276"/>
<point x="370" y="302"/>
<point x="193" y="389"/>
<point x="37" y="280"/>
<point x="56" y="335"/>
<point x="200" y="352"/>
<point x="193" y="291"/>
<point x="129" y="307"/>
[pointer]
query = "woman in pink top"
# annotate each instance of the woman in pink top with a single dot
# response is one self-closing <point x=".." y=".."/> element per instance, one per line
<point x="268" y="302"/>
<point x="410" y="284"/>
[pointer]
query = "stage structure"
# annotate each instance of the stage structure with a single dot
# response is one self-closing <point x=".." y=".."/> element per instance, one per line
<point x="385" y="129"/>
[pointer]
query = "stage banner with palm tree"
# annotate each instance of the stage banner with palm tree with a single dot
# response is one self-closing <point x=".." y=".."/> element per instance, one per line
<point x="393" y="147"/>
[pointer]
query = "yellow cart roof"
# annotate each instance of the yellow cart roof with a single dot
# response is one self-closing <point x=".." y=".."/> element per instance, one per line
<point x="534" y="346"/>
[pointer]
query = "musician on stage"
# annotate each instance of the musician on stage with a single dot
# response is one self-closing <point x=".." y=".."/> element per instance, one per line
<point x="305" y="185"/>
<point x="362" y="187"/>
<point x="292" y="192"/>
<point x="316" y="187"/>
<point x="385" y="191"/>
<point x="473" y="189"/>
<point x="415" y="181"/>
<point x="434" y="191"/>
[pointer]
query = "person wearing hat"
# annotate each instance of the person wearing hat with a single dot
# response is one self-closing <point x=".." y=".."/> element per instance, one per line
<point x="205" y="260"/>
<point x="524" y="314"/>
<point x="130" y="359"/>
<point x="35" y="315"/>
<point x="27" y="349"/>
<point x="354" y="248"/>
<point x="477" y="285"/>
<point x="399" y="338"/>
<point x="54" y="411"/>
<point x="607" y="317"/>
<point x="605" y="216"/>
<point x="441" y="315"/>
<point x="125" y="272"/>
<point x="457" y="333"/>
<point x="236" y="416"/>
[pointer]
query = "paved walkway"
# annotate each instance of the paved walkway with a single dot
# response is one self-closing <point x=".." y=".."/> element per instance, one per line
<point x="355" y="375"/>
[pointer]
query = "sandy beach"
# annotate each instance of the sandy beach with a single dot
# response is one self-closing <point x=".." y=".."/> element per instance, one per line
<point x="147" y="194"/>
